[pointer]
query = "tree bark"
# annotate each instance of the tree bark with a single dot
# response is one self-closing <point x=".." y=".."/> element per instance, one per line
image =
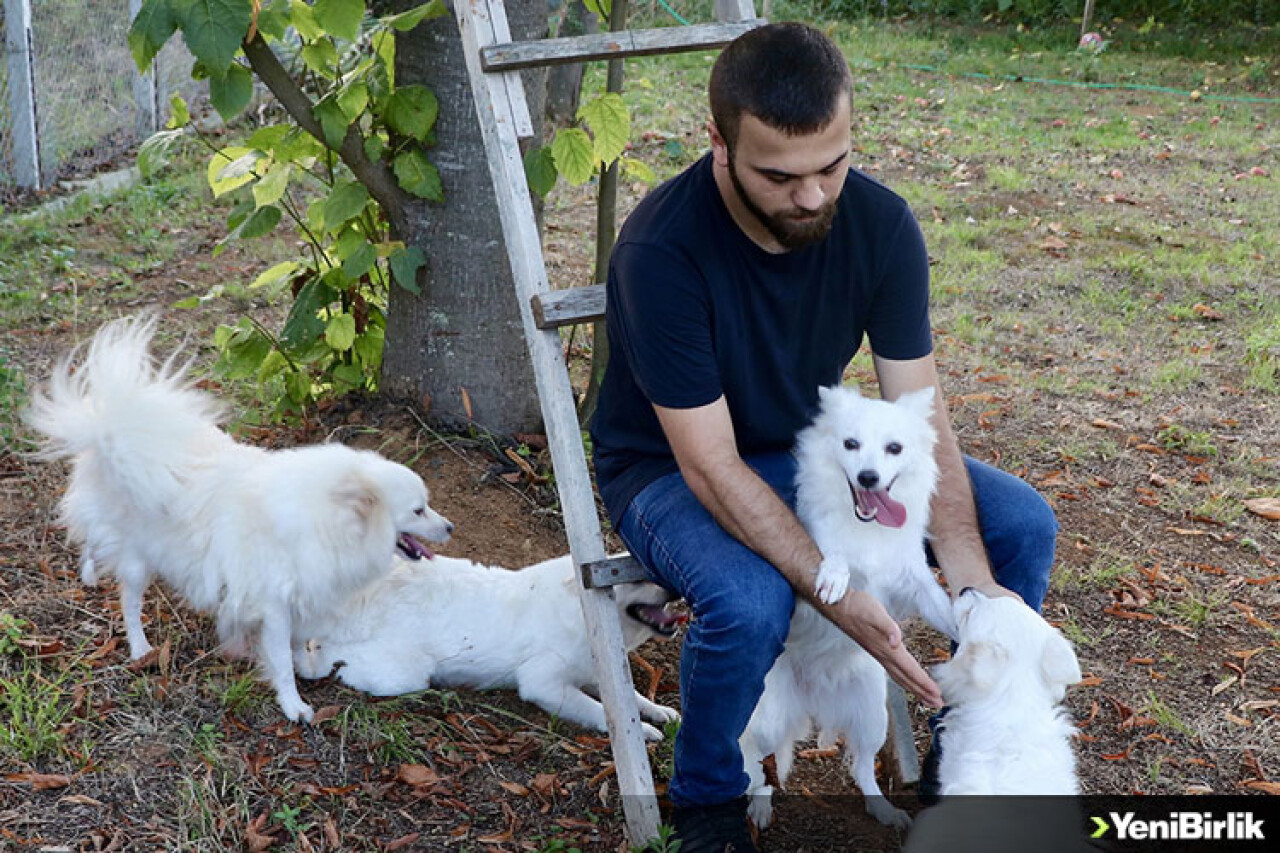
<point x="457" y="350"/>
<point x="564" y="82"/>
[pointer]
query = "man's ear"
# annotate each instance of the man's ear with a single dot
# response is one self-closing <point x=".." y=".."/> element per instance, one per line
<point x="719" y="148"/>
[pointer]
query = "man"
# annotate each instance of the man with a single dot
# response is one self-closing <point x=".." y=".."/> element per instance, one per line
<point x="735" y="290"/>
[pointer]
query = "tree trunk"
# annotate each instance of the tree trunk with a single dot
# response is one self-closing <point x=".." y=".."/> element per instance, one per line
<point x="460" y="344"/>
<point x="564" y="82"/>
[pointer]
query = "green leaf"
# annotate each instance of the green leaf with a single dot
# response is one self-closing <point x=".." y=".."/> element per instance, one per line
<point x="213" y="30"/>
<point x="360" y="261"/>
<point x="153" y="155"/>
<point x="574" y="155"/>
<point x="340" y="333"/>
<point x="179" y="115"/>
<point x="297" y="385"/>
<point x="348" y="243"/>
<point x="231" y="93"/>
<point x="406" y="21"/>
<point x="269" y="136"/>
<point x="599" y="7"/>
<point x="270" y="189"/>
<point x="273" y="19"/>
<point x="261" y="221"/>
<point x="232" y="167"/>
<point x="321" y="57"/>
<point x="348" y="376"/>
<point x="412" y="111"/>
<point x="404" y="267"/>
<point x="540" y="170"/>
<point x="610" y="123"/>
<point x="304" y="325"/>
<point x="303" y="19"/>
<point x="152" y="27"/>
<point x="417" y="175"/>
<point x="333" y="121"/>
<point x="368" y="347"/>
<point x="373" y="147"/>
<point x="637" y="170"/>
<point x="244" y="355"/>
<point x="385" y="48"/>
<point x="353" y="98"/>
<point x="276" y="278"/>
<point x="340" y="17"/>
<point x="345" y="201"/>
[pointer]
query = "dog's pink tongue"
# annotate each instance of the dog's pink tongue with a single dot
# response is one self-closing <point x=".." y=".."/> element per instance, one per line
<point x="888" y="512"/>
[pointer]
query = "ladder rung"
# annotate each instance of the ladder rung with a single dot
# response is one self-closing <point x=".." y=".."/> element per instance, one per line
<point x="622" y="568"/>
<point x="568" y="307"/>
<point x="619" y="45"/>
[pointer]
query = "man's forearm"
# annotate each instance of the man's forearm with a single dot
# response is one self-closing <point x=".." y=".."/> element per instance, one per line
<point x="956" y="538"/>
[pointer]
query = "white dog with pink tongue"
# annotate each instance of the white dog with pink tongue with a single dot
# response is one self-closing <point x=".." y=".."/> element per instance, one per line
<point x="864" y="480"/>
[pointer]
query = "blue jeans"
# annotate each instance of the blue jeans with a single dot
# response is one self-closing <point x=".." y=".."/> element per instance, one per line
<point x="742" y="605"/>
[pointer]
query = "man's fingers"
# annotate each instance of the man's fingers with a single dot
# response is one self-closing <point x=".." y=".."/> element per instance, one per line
<point x="870" y="624"/>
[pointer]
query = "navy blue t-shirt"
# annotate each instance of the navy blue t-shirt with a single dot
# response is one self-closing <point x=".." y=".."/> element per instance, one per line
<point x="696" y="310"/>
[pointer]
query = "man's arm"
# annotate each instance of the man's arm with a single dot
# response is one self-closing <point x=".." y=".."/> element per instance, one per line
<point x="702" y="440"/>
<point x="955" y="536"/>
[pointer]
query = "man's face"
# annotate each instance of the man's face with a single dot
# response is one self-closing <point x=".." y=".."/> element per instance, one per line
<point x="788" y="185"/>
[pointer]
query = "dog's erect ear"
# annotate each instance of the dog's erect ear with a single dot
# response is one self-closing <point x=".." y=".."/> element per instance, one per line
<point x="1058" y="664"/>
<point x="919" y="402"/>
<point x="361" y="498"/>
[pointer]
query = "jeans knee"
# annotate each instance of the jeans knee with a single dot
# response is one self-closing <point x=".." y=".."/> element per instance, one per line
<point x="757" y="621"/>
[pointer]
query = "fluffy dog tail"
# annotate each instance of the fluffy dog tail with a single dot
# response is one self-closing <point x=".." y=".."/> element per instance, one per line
<point x="137" y="422"/>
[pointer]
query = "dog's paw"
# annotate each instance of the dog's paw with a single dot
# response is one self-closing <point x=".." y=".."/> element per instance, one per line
<point x="832" y="582"/>
<point x="651" y="734"/>
<point x="88" y="571"/>
<point x="760" y="806"/>
<point x="296" y="710"/>
<point x="882" y="810"/>
<point x="140" y="649"/>
<point x="662" y="714"/>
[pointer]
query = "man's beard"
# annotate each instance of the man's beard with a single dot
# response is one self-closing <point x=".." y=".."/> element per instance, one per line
<point x="790" y="232"/>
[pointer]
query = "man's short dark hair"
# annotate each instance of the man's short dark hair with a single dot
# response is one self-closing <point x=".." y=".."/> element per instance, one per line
<point x="788" y="75"/>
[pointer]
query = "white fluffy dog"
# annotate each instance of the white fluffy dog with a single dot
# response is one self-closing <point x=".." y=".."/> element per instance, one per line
<point x="452" y="622"/>
<point x="864" y="480"/>
<point x="268" y="540"/>
<point x="1005" y="731"/>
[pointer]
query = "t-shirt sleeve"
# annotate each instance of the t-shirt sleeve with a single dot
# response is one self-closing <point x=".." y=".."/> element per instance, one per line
<point x="898" y="325"/>
<point x="662" y="324"/>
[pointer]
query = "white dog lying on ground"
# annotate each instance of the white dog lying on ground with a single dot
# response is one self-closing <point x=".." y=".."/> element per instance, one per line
<point x="1005" y="731"/>
<point x="452" y="622"/>
<point x="864" y="481"/>
<point x="267" y="539"/>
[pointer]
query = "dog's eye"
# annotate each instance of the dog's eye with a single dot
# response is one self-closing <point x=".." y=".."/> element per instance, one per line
<point x="851" y="444"/>
<point x="420" y="511"/>
<point x="893" y="448"/>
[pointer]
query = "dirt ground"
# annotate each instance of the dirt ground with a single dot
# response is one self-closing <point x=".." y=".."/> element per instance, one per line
<point x="1173" y="611"/>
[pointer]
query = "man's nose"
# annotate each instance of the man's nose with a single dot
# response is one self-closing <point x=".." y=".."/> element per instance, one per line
<point x="809" y="195"/>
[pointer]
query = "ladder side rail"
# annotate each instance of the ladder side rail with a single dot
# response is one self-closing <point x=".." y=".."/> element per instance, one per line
<point x="524" y="251"/>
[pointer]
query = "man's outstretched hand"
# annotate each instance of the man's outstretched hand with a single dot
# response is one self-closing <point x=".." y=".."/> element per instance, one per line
<point x="864" y="619"/>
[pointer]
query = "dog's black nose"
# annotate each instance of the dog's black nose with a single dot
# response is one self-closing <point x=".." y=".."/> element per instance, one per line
<point x="868" y="479"/>
<point x="448" y="527"/>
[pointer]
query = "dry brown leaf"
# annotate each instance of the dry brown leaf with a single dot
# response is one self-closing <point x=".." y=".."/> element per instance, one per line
<point x="41" y="781"/>
<point x="466" y="402"/>
<point x="80" y="800"/>
<point x="417" y="774"/>
<point x="1268" y="508"/>
<point x="1265" y="787"/>
<point x="404" y="841"/>
<point x="514" y="788"/>
<point x="254" y="838"/>
<point x="1206" y="312"/>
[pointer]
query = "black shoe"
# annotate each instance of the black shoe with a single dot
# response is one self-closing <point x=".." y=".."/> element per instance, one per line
<point x="929" y="788"/>
<point x="720" y="828"/>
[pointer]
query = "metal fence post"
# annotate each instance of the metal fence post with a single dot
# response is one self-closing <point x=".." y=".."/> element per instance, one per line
<point x="145" y="95"/>
<point x="22" y="93"/>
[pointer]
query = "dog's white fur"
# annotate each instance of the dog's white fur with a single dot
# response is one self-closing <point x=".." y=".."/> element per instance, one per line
<point x="1005" y="731"/>
<point x="268" y="540"/>
<point x="823" y="677"/>
<point x="452" y="622"/>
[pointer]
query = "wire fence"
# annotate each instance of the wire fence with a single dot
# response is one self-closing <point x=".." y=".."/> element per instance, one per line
<point x="71" y="98"/>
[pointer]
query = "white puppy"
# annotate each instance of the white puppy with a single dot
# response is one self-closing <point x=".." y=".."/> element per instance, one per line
<point x="266" y="539"/>
<point x="864" y="480"/>
<point x="1005" y="731"/>
<point x="452" y="622"/>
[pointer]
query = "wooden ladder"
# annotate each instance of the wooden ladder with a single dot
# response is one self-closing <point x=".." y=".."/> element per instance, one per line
<point x="493" y="61"/>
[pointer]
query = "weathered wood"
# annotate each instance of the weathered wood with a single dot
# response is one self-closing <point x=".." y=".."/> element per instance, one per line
<point x="621" y="568"/>
<point x="738" y="10"/>
<point x="900" y="738"/>
<point x="476" y="20"/>
<point x="568" y="307"/>
<point x="529" y="54"/>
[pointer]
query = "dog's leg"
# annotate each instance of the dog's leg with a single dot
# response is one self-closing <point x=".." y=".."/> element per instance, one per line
<point x="88" y="569"/>
<point x="864" y="733"/>
<point x="132" y="578"/>
<point x="655" y="712"/>
<point x="759" y="791"/>
<point x="568" y="702"/>
<point x="275" y="654"/>
<point x="933" y="603"/>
